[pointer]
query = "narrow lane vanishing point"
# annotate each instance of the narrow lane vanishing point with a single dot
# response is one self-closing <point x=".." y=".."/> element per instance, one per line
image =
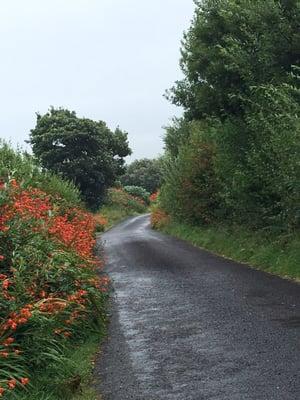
<point x="188" y="325"/>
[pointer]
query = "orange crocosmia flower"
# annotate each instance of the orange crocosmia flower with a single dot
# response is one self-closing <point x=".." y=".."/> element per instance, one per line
<point x="1" y="391"/>
<point x="1" y="257"/>
<point x="6" y="283"/>
<point x="24" y="381"/>
<point x="12" y="383"/>
<point x="8" y="341"/>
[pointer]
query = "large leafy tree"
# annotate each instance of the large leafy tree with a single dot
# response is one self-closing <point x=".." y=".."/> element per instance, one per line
<point x="146" y="173"/>
<point x="232" y="46"/>
<point x="84" y="151"/>
<point x="240" y="60"/>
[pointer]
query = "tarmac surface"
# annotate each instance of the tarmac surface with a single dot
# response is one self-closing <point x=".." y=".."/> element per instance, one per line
<point x="189" y="325"/>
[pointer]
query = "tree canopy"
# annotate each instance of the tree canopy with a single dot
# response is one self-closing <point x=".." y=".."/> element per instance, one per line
<point x="81" y="150"/>
<point x="232" y="46"/>
<point x="234" y="156"/>
<point x="145" y="172"/>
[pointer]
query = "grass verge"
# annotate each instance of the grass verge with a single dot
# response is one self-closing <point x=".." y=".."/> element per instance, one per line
<point x="75" y="375"/>
<point x="275" y="255"/>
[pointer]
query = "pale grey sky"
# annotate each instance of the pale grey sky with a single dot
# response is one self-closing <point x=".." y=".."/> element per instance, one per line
<point x="106" y="59"/>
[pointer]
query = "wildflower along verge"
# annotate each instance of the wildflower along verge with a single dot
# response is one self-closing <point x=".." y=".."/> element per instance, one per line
<point x="51" y="296"/>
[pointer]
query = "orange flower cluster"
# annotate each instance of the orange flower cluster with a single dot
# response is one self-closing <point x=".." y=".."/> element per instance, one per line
<point x="159" y="218"/>
<point x="32" y="203"/>
<point x="10" y="350"/>
<point x="100" y="221"/>
<point x="154" y="197"/>
<point x="52" y="305"/>
<point x="75" y="230"/>
<point x="50" y="290"/>
<point x="102" y="283"/>
<point x="12" y="383"/>
<point x="16" y="319"/>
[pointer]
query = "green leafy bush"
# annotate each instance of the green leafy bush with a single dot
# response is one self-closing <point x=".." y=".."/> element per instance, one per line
<point x="138" y="191"/>
<point x="191" y="191"/>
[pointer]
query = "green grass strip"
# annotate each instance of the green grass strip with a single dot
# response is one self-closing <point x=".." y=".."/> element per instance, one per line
<point x="280" y="256"/>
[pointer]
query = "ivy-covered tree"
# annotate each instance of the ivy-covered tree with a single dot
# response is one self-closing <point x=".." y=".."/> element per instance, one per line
<point x="81" y="150"/>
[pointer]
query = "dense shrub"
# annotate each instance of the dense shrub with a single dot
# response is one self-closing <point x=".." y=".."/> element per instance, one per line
<point x="50" y="294"/>
<point x="138" y="191"/>
<point x="259" y="183"/>
<point x="191" y="191"/>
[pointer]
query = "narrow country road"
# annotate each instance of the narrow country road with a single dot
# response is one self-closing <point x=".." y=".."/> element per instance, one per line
<point x="188" y="325"/>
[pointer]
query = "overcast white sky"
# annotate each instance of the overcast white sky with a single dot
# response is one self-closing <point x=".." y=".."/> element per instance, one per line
<point x="108" y="60"/>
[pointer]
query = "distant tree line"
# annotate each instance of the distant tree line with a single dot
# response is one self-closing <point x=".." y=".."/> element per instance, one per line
<point x="234" y="155"/>
<point x="145" y="173"/>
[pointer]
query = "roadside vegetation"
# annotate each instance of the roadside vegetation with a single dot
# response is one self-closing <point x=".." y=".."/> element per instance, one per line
<point x="52" y="294"/>
<point x="120" y="204"/>
<point x="231" y="163"/>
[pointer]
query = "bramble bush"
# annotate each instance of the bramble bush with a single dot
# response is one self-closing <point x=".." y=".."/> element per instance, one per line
<point x="51" y="296"/>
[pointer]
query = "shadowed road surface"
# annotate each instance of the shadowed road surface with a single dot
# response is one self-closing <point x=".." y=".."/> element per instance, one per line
<point x="188" y="325"/>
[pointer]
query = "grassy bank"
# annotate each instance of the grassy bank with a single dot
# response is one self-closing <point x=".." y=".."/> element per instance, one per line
<point x="271" y="254"/>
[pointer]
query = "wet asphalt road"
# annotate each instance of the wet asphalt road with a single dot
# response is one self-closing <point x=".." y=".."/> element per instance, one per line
<point x="188" y="325"/>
